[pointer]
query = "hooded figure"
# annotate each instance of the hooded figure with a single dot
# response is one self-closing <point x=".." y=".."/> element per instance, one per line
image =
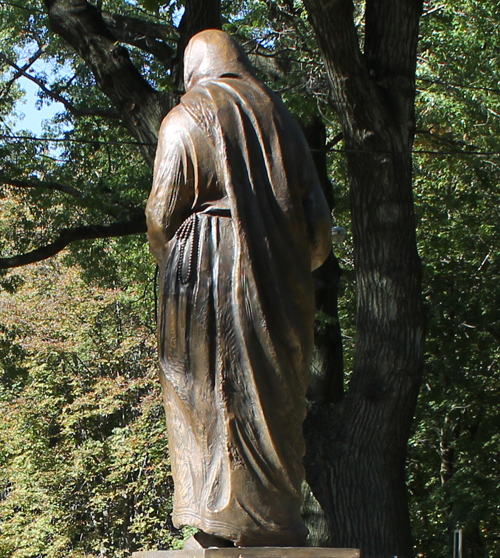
<point x="237" y="221"/>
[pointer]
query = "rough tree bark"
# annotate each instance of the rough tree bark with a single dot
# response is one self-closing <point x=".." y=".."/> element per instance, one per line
<point x="357" y="448"/>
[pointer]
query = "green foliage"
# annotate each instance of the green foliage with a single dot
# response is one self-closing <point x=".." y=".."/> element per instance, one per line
<point x="85" y="467"/>
<point x="84" y="464"/>
<point x="454" y="469"/>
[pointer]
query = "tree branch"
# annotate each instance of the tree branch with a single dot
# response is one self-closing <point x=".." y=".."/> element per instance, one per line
<point x="457" y="85"/>
<point x="446" y="140"/>
<point x="354" y="93"/>
<point x="374" y="91"/>
<point x="142" y="108"/>
<point x="67" y="236"/>
<point x="14" y="5"/>
<point x="391" y="38"/>
<point x="146" y="35"/>
<point x="33" y="183"/>
<point x="53" y="95"/>
<point x="19" y="73"/>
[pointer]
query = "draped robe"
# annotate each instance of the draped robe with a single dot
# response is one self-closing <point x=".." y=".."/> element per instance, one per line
<point x="237" y="220"/>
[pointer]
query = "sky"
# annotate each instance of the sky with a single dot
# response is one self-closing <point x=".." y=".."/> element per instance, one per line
<point x="33" y="117"/>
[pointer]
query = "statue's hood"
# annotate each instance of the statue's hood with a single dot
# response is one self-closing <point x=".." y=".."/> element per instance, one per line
<point x="212" y="54"/>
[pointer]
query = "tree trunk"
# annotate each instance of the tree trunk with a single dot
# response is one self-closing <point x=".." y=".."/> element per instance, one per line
<point x="357" y="448"/>
<point x="327" y="371"/>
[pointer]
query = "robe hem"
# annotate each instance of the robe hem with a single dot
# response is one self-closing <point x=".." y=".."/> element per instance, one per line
<point x="241" y="538"/>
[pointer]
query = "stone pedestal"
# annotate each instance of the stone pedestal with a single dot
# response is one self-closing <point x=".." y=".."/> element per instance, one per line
<point x="252" y="552"/>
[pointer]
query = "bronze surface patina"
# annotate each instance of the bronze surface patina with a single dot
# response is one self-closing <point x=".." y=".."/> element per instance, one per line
<point x="237" y="221"/>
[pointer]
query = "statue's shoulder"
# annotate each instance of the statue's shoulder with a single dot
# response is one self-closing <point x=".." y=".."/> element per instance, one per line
<point x="174" y="116"/>
<point x="198" y="96"/>
<point x="178" y="120"/>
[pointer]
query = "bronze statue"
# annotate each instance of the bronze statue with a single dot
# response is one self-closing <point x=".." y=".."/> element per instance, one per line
<point x="237" y="221"/>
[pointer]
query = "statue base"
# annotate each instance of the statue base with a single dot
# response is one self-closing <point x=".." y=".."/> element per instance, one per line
<point x="252" y="552"/>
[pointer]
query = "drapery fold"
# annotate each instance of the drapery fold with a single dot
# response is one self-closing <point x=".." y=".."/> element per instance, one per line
<point x="237" y="219"/>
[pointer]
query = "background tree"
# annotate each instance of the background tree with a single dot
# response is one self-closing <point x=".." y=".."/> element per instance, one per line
<point x="453" y="465"/>
<point x="116" y="69"/>
<point x="361" y="480"/>
<point x="85" y="469"/>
